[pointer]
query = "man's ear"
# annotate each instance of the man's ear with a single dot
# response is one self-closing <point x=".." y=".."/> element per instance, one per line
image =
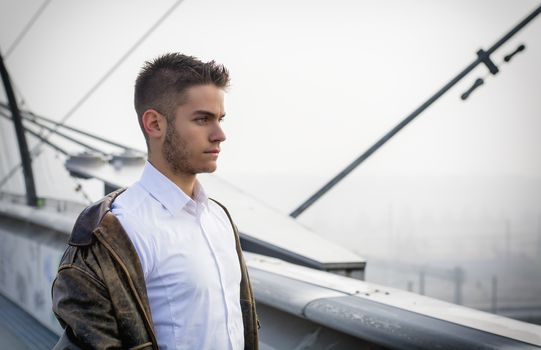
<point x="154" y="124"/>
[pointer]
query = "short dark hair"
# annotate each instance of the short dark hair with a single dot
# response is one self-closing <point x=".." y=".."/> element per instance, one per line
<point x="161" y="82"/>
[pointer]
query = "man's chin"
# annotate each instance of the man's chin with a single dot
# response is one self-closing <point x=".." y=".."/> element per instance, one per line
<point x="208" y="169"/>
<point x="195" y="170"/>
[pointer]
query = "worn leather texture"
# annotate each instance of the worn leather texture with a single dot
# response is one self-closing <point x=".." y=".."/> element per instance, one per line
<point x="99" y="294"/>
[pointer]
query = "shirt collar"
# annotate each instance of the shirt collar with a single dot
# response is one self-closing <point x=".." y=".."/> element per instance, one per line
<point x="169" y="194"/>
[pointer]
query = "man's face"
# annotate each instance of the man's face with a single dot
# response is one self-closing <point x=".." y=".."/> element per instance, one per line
<point x="193" y="137"/>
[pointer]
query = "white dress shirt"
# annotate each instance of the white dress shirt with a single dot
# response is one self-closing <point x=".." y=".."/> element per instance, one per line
<point x="191" y="268"/>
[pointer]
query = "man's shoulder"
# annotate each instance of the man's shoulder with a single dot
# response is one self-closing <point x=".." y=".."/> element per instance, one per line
<point x="222" y="211"/>
<point x="218" y="207"/>
<point x="90" y="218"/>
<point x="97" y="228"/>
<point x="135" y="201"/>
<point x="215" y="202"/>
<point x="83" y="237"/>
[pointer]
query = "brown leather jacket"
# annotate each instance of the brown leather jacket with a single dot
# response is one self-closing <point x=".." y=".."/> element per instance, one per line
<point x="99" y="294"/>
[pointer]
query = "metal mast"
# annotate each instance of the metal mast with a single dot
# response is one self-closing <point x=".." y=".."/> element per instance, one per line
<point x="26" y="161"/>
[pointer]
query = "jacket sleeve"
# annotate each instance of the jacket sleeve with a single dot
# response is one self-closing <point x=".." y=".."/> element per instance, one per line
<point x="65" y="342"/>
<point x="82" y="305"/>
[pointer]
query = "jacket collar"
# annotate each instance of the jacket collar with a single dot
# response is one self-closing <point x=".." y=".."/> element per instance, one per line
<point x="90" y="218"/>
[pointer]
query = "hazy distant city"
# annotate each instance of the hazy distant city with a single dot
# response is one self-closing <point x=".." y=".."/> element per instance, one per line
<point x="435" y="229"/>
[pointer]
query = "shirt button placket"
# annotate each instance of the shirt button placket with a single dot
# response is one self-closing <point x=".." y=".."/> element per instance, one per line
<point x="221" y="276"/>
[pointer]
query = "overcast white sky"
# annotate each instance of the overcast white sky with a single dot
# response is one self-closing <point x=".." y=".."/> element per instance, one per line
<point x="314" y="83"/>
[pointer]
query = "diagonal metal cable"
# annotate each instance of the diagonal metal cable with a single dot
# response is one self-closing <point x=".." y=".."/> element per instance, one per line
<point x="120" y="61"/>
<point x="35" y="152"/>
<point x="483" y="57"/>
<point x="80" y="187"/>
<point x="37" y="119"/>
<point x="17" y="41"/>
<point x="26" y="29"/>
<point x="31" y="116"/>
<point x="38" y="136"/>
<point x="67" y="137"/>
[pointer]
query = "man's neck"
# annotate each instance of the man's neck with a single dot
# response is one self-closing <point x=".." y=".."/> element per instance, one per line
<point x="186" y="182"/>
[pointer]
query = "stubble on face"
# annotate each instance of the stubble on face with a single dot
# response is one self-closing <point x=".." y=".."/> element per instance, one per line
<point x="175" y="152"/>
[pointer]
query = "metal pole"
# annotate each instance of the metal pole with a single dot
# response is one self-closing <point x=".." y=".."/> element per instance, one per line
<point x="458" y="273"/>
<point x="539" y="237"/>
<point x="507" y="238"/>
<point x="422" y="282"/>
<point x="35" y="134"/>
<point x="482" y="57"/>
<point x="494" y="295"/>
<point x="31" y="198"/>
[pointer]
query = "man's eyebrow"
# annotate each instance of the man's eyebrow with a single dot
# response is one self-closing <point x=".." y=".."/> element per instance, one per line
<point x="207" y="113"/>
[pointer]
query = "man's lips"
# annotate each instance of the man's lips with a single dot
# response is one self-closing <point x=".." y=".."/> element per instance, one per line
<point x="213" y="151"/>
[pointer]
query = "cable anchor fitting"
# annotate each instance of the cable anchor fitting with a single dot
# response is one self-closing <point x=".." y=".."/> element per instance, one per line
<point x="485" y="58"/>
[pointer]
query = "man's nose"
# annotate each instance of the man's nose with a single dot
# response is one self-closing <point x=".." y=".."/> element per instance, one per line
<point x="218" y="134"/>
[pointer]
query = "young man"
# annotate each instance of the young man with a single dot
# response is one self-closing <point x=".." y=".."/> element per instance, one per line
<point x="159" y="265"/>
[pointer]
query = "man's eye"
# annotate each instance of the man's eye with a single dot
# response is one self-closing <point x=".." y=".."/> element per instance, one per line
<point x="221" y="119"/>
<point x="202" y="120"/>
